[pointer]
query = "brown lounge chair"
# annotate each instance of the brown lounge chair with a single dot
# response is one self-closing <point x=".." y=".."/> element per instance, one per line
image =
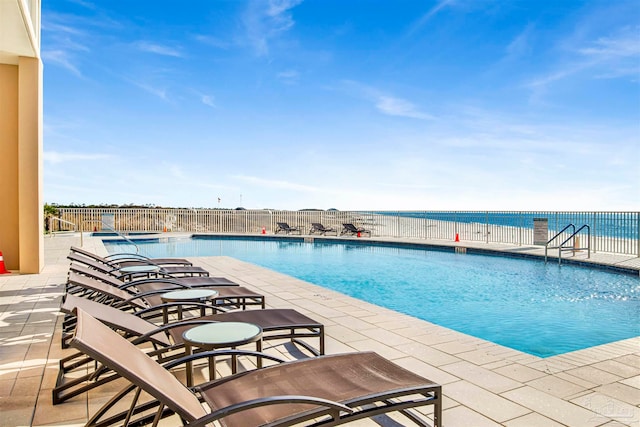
<point x="325" y="390"/>
<point x="186" y="282"/>
<point x="321" y="229"/>
<point x="285" y="228"/>
<point x="122" y="258"/>
<point x="148" y="303"/>
<point x="115" y="268"/>
<point x="167" y="339"/>
<point x="352" y="230"/>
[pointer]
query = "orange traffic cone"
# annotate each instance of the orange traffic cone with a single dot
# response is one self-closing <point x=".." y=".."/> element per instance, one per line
<point x="457" y="237"/>
<point x="165" y="229"/>
<point x="3" y="270"/>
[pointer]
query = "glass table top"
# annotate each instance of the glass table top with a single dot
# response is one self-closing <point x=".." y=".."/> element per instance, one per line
<point x="223" y="333"/>
<point x="189" y="294"/>
<point x="140" y="269"/>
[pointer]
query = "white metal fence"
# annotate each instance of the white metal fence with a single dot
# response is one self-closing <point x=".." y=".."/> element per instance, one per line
<point x="615" y="232"/>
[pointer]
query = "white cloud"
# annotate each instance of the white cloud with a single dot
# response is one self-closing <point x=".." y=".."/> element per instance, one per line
<point x="278" y="8"/>
<point x="208" y="100"/>
<point x="387" y="104"/>
<point x="159" y="92"/>
<point x="158" y="49"/>
<point x="431" y="13"/>
<point x="58" y="30"/>
<point x="62" y="59"/>
<point x="521" y="44"/>
<point x="267" y="20"/>
<point x="213" y="41"/>
<point x="85" y="4"/>
<point x="399" y="107"/>
<point x="614" y="56"/>
<point x="622" y="45"/>
<point x="55" y="157"/>
<point x="289" y="76"/>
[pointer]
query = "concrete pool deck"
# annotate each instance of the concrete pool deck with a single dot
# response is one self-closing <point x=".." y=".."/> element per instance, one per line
<point x="484" y="384"/>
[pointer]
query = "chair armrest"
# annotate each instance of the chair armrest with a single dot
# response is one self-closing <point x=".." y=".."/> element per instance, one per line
<point x="168" y="281"/>
<point x="224" y="352"/>
<point x="124" y="256"/>
<point x="331" y="407"/>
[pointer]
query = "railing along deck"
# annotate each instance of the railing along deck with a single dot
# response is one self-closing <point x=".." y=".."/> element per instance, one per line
<point x="612" y="232"/>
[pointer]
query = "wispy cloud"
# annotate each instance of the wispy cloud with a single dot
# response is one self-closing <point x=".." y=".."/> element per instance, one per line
<point x="264" y="21"/>
<point x="85" y="4"/>
<point x="213" y="41"/>
<point x="208" y="100"/>
<point x="158" y="49"/>
<point x="619" y="54"/>
<point x="154" y="90"/>
<point x="57" y="29"/>
<point x="289" y="76"/>
<point x="614" y="56"/>
<point x="205" y="98"/>
<point x="430" y="14"/>
<point x="399" y="107"/>
<point x="387" y="104"/>
<point x="521" y="44"/>
<point x="62" y="59"/>
<point x="55" y="157"/>
<point x="625" y="44"/>
<point x="62" y="48"/>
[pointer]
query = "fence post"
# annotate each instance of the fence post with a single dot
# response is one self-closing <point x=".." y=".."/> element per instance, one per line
<point x="486" y="227"/>
<point x="638" y="234"/>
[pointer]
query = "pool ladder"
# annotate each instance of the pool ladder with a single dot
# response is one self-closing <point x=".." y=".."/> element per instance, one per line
<point x="575" y="242"/>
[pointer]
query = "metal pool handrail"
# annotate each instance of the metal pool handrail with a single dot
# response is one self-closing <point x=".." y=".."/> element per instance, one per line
<point x="108" y="227"/>
<point x="575" y="243"/>
<point x="574" y="236"/>
<point x="546" y="246"/>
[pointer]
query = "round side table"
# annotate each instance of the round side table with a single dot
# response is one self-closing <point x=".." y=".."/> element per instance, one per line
<point x="220" y="335"/>
<point x="186" y="296"/>
<point x="129" y="271"/>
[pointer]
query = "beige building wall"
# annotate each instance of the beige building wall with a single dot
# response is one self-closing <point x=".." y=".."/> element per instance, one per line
<point x="9" y="223"/>
<point x="21" y="211"/>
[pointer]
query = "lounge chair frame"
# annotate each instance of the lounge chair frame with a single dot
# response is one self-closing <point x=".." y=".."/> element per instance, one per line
<point x="316" y="227"/>
<point x="147" y="304"/>
<point x="276" y="324"/>
<point x="384" y="387"/>
<point x="283" y="227"/>
<point x="352" y="230"/>
<point x="119" y="258"/>
<point x="114" y="270"/>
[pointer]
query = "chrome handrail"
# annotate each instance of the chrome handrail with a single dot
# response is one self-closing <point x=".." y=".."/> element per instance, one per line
<point x="108" y="227"/>
<point x="546" y="245"/>
<point x="575" y="248"/>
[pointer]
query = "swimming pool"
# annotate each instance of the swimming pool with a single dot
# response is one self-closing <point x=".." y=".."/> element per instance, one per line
<point x="540" y="309"/>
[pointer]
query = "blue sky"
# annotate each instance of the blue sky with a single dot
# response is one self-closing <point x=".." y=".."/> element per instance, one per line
<point x="359" y="104"/>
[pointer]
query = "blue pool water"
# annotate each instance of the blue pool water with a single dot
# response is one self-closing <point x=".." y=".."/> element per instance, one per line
<point x="541" y="309"/>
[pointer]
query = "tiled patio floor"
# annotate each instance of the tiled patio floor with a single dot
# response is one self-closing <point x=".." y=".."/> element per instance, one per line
<point x="484" y="384"/>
